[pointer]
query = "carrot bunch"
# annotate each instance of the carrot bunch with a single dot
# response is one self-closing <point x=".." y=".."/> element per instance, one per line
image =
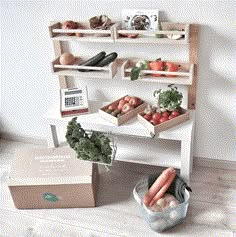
<point x="159" y="187"/>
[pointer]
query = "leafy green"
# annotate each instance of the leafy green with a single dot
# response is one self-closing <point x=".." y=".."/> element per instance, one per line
<point x="95" y="146"/>
<point x="170" y="99"/>
<point x="135" y="71"/>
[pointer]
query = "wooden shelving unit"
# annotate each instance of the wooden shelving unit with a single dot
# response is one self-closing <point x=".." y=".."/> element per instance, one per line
<point x="187" y="76"/>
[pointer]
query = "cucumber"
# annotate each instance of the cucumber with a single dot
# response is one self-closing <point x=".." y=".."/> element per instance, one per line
<point x="107" y="60"/>
<point x="93" y="61"/>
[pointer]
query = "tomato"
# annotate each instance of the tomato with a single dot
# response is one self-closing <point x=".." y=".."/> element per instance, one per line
<point x="163" y="119"/>
<point x="171" y="67"/>
<point x="157" y="66"/>
<point x="171" y="116"/>
<point x="148" y="117"/>
<point x="126" y="108"/>
<point x="135" y="101"/>
<point x="156" y="116"/>
<point x="165" y="114"/>
<point x="127" y="98"/>
<point x="156" y="121"/>
<point x="112" y="107"/>
<point x="175" y="113"/>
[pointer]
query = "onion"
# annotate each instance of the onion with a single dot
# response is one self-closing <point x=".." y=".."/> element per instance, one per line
<point x="67" y="59"/>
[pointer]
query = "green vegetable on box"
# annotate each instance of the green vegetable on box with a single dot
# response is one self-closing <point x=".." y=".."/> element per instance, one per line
<point x="94" y="147"/>
<point x="170" y="99"/>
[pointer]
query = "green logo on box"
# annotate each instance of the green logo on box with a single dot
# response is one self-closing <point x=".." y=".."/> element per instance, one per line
<point x="50" y="197"/>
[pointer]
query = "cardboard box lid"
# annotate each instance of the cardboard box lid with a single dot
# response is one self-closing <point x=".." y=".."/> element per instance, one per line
<point x="49" y="166"/>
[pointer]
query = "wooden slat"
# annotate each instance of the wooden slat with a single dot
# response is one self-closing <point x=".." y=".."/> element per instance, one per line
<point x="193" y="58"/>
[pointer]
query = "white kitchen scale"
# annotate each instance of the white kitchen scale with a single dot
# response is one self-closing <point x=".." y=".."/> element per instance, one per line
<point x="74" y="101"/>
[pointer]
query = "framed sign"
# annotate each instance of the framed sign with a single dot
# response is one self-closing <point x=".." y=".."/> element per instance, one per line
<point x="134" y="19"/>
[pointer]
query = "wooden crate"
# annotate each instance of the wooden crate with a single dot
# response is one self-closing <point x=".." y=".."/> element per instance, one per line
<point x="184" y="76"/>
<point x="107" y="72"/>
<point x="167" y="29"/>
<point x="185" y="115"/>
<point x="123" y="118"/>
<point x="86" y="33"/>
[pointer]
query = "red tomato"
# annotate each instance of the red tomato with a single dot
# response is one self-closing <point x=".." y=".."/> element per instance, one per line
<point x="156" y="116"/>
<point x="148" y="117"/>
<point x="171" y="116"/>
<point x="156" y="121"/>
<point x="156" y="66"/>
<point x="163" y="119"/>
<point x="165" y="114"/>
<point x="126" y="108"/>
<point x="135" y="101"/>
<point x="127" y="98"/>
<point x="171" y="67"/>
<point x="112" y="107"/>
<point x="175" y="113"/>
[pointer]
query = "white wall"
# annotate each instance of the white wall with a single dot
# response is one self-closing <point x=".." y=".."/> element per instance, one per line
<point x="29" y="88"/>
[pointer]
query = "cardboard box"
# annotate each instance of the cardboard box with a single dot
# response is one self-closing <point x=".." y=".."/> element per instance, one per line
<point x="185" y="115"/>
<point x="124" y="117"/>
<point x="52" y="178"/>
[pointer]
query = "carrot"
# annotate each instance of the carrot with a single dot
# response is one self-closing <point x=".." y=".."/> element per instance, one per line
<point x="157" y="185"/>
<point x="162" y="191"/>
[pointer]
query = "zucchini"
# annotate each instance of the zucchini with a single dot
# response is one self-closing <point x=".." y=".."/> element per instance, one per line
<point x="107" y="60"/>
<point x="93" y="61"/>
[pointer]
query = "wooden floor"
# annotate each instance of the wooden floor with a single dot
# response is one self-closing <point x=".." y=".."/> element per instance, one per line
<point x="212" y="210"/>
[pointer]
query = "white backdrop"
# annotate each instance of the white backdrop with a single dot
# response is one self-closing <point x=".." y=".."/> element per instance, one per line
<point x="29" y="88"/>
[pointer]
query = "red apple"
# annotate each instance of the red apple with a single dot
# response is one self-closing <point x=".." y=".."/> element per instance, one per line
<point x="156" y="116"/>
<point x="135" y="101"/>
<point x="112" y="107"/>
<point x="163" y="119"/>
<point x="126" y="108"/>
<point x="121" y="104"/>
<point x="127" y="98"/>
<point x="165" y="114"/>
<point x="148" y="117"/>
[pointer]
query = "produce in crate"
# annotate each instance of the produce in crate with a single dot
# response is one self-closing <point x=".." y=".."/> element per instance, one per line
<point x="70" y="25"/>
<point x="67" y="59"/>
<point x="93" y="146"/>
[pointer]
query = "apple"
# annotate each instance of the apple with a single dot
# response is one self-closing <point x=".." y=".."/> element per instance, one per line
<point x="127" y="98"/>
<point x="121" y="104"/>
<point x="126" y="108"/>
<point x="163" y="119"/>
<point x="148" y="117"/>
<point x="112" y="107"/>
<point x="135" y="101"/>
<point x="156" y="116"/>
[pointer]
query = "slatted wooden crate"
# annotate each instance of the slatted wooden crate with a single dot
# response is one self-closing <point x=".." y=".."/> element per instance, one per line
<point x="183" y="76"/>
<point x="184" y="116"/>
<point x="124" y="117"/>
<point x="83" y="33"/>
<point x="107" y="72"/>
<point x="168" y="32"/>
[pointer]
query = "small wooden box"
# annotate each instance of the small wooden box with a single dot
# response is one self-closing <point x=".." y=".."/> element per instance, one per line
<point x="106" y="72"/>
<point x="123" y="118"/>
<point x="185" y="115"/>
<point x="52" y="178"/>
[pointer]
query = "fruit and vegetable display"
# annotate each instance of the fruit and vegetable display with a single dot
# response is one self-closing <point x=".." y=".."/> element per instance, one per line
<point x="92" y="146"/>
<point x="166" y="111"/>
<point x="157" y="65"/>
<point x="123" y="106"/>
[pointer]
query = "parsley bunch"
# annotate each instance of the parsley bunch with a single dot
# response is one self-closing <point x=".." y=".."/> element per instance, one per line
<point x="94" y="147"/>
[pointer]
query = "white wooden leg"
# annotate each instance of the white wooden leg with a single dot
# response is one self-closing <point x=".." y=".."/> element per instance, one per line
<point x="52" y="138"/>
<point x="186" y="153"/>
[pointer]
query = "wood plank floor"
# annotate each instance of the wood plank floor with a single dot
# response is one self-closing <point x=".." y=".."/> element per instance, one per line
<point x="212" y="210"/>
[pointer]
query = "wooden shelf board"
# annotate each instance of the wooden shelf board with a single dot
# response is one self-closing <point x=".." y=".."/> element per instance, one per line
<point x="150" y="40"/>
<point x="101" y="75"/>
<point x="83" y="39"/>
<point x="133" y="127"/>
<point x="166" y="80"/>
